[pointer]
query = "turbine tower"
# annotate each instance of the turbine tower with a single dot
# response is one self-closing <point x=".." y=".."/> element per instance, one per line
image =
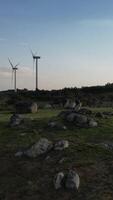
<point x="14" y="69"/>
<point x="35" y="59"/>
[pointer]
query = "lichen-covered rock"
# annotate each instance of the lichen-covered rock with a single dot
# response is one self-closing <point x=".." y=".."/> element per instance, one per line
<point x="61" y="145"/>
<point x="72" y="180"/>
<point x="39" y="148"/>
<point x="58" y="180"/>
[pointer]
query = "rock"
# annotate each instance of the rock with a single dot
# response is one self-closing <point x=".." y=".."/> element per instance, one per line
<point x="33" y="107"/>
<point x="85" y="111"/>
<point x="16" y="120"/>
<point x="81" y="119"/>
<point x="48" y="106"/>
<point x="108" y="146"/>
<point x="26" y="107"/>
<point x="61" y="145"/>
<point x="58" y="180"/>
<point x="92" y="123"/>
<point x="62" y="160"/>
<point x="71" y="117"/>
<point x="78" y="107"/>
<point x="39" y="148"/>
<point x="72" y="180"/>
<point x="19" y="154"/>
<point x="57" y="125"/>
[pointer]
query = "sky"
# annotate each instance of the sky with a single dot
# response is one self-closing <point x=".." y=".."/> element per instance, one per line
<point x="73" y="37"/>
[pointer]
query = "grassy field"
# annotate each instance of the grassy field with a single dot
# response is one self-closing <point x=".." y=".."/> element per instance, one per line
<point x="32" y="179"/>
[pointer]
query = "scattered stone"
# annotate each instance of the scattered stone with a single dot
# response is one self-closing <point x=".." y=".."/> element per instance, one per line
<point x="23" y="134"/>
<point x="92" y="123"/>
<point x="48" y="106"/>
<point x="62" y="160"/>
<point x="41" y="147"/>
<point x="61" y="145"/>
<point x="16" y="120"/>
<point x="19" y="154"/>
<point x="85" y="111"/>
<point x="58" y="180"/>
<point x="108" y="146"/>
<point x="72" y="180"/>
<point x="56" y="125"/>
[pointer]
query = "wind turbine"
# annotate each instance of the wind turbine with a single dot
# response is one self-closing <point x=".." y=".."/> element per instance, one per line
<point x="35" y="59"/>
<point x="14" y="69"/>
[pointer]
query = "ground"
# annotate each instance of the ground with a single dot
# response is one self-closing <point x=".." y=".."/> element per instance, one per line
<point x="32" y="179"/>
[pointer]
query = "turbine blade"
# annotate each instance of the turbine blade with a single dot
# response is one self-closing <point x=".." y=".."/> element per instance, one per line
<point x="10" y="63"/>
<point x="32" y="53"/>
<point x="17" y="64"/>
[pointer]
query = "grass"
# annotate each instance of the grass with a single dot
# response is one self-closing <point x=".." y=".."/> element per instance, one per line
<point x="30" y="179"/>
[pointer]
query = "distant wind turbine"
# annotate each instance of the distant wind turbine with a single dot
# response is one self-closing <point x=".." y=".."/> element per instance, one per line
<point x="35" y="59"/>
<point x="14" y="69"/>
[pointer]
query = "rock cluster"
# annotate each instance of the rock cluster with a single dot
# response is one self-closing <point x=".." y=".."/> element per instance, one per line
<point x="43" y="146"/>
<point x="78" y="119"/>
<point x="70" y="180"/>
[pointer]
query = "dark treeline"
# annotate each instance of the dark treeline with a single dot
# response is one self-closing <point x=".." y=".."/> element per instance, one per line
<point x="94" y="95"/>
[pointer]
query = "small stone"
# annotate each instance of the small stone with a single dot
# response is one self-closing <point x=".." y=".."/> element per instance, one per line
<point x="61" y="145"/>
<point x="15" y="120"/>
<point x="58" y="180"/>
<point x="72" y="180"/>
<point x="62" y="160"/>
<point x="19" y="153"/>
<point x="93" y="123"/>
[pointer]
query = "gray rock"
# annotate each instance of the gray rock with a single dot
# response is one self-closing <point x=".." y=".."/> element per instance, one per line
<point x="71" y="117"/>
<point x="58" y="180"/>
<point x="57" y="125"/>
<point x="92" y="123"/>
<point x="19" y="154"/>
<point x="61" y="145"/>
<point x="81" y="119"/>
<point x="39" y="148"/>
<point x="48" y="106"/>
<point x="108" y="146"/>
<point x="72" y="180"/>
<point x="16" y="120"/>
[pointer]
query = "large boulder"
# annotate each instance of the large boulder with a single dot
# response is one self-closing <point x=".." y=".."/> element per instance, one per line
<point x="16" y="120"/>
<point x="77" y="119"/>
<point x="72" y="180"/>
<point x="26" y="107"/>
<point x="41" y="147"/>
<point x="58" y="180"/>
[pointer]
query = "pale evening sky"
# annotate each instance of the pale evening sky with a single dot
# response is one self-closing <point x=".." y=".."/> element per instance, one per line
<point x="73" y="37"/>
